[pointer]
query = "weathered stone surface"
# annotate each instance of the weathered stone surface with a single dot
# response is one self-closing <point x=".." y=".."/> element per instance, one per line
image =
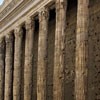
<point x="70" y="46"/>
<point x="44" y="64"/>
<point x="81" y="67"/>
<point x="35" y="59"/>
<point x="28" y="69"/>
<point x="9" y="60"/>
<point x="58" y="78"/>
<point x="42" y="54"/>
<point x="94" y="52"/>
<point x="17" y="63"/>
<point x="2" y="67"/>
<point x="50" y="55"/>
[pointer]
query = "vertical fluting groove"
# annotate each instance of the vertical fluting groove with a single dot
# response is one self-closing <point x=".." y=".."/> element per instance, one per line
<point x="81" y="67"/>
<point x="17" y="64"/>
<point x="42" y="54"/>
<point x="58" y="79"/>
<point x="9" y="67"/>
<point x="2" y="67"/>
<point x="28" y="69"/>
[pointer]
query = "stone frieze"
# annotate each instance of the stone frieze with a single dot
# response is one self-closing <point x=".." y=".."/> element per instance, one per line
<point x="10" y="6"/>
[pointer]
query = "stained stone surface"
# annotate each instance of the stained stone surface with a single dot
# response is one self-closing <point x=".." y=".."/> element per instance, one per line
<point x="93" y="75"/>
<point x="35" y="59"/>
<point x="50" y="64"/>
<point x="94" y="53"/>
<point x="70" y="54"/>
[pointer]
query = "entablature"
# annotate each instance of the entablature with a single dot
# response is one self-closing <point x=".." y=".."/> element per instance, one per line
<point x="8" y="7"/>
<point x="20" y="13"/>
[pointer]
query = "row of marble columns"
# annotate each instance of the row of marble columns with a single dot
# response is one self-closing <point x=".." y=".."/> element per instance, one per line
<point x="11" y="57"/>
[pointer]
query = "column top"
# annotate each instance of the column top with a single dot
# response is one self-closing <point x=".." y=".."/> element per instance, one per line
<point x="61" y="4"/>
<point x="29" y="24"/>
<point x="2" y="39"/>
<point x="9" y="37"/>
<point x="18" y="32"/>
<point x="43" y="14"/>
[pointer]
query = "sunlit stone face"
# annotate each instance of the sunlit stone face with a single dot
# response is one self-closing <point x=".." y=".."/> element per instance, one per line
<point x="1" y="1"/>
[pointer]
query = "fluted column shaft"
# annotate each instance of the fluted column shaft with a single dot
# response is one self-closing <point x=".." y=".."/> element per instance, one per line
<point x="17" y="64"/>
<point x="42" y="55"/>
<point x="58" y="79"/>
<point x="2" y="67"/>
<point x="28" y="59"/>
<point x="82" y="50"/>
<point x="9" y="67"/>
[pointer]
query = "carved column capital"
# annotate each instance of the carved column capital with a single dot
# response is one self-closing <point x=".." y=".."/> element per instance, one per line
<point x="2" y="39"/>
<point x="2" y="43"/>
<point x="43" y="14"/>
<point x="61" y="4"/>
<point x="29" y="24"/>
<point x="9" y="38"/>
<point x="18" y="32"/>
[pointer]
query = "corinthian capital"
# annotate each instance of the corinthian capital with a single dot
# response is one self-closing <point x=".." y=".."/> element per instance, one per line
<point x="29" y="24"/>
<point x="43" y="14"/>
<point x="9" y="37"/>
<point x="2" y="42"/>
<point x="18" y="31"/>
<point x="2" y="39"/>
<point x="61" y="4"/>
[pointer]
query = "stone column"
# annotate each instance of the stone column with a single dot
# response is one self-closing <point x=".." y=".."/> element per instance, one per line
<point x="9" y="67"/>
<point x="17" y="64"/>
<point x="42" y="55"/>
<point x="58" y="79"/>
<point x="2" y="67"/>
<point x="28" y="59"/>
<point x="82" y="50"/>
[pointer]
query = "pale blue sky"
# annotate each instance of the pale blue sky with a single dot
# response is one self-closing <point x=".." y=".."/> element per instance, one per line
<point x="1" y="1"/>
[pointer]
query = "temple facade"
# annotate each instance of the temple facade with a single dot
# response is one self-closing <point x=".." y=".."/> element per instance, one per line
<point x="50" y="50"/>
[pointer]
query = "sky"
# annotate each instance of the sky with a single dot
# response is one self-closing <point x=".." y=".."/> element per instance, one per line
<point x="1" y="1"/>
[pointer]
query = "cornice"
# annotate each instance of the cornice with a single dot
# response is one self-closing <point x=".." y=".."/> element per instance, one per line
<point x="20" y="13"/>
<point x="9" y="8"/>
<point x="14" y="10"/>
<point x="4" y="4"/>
